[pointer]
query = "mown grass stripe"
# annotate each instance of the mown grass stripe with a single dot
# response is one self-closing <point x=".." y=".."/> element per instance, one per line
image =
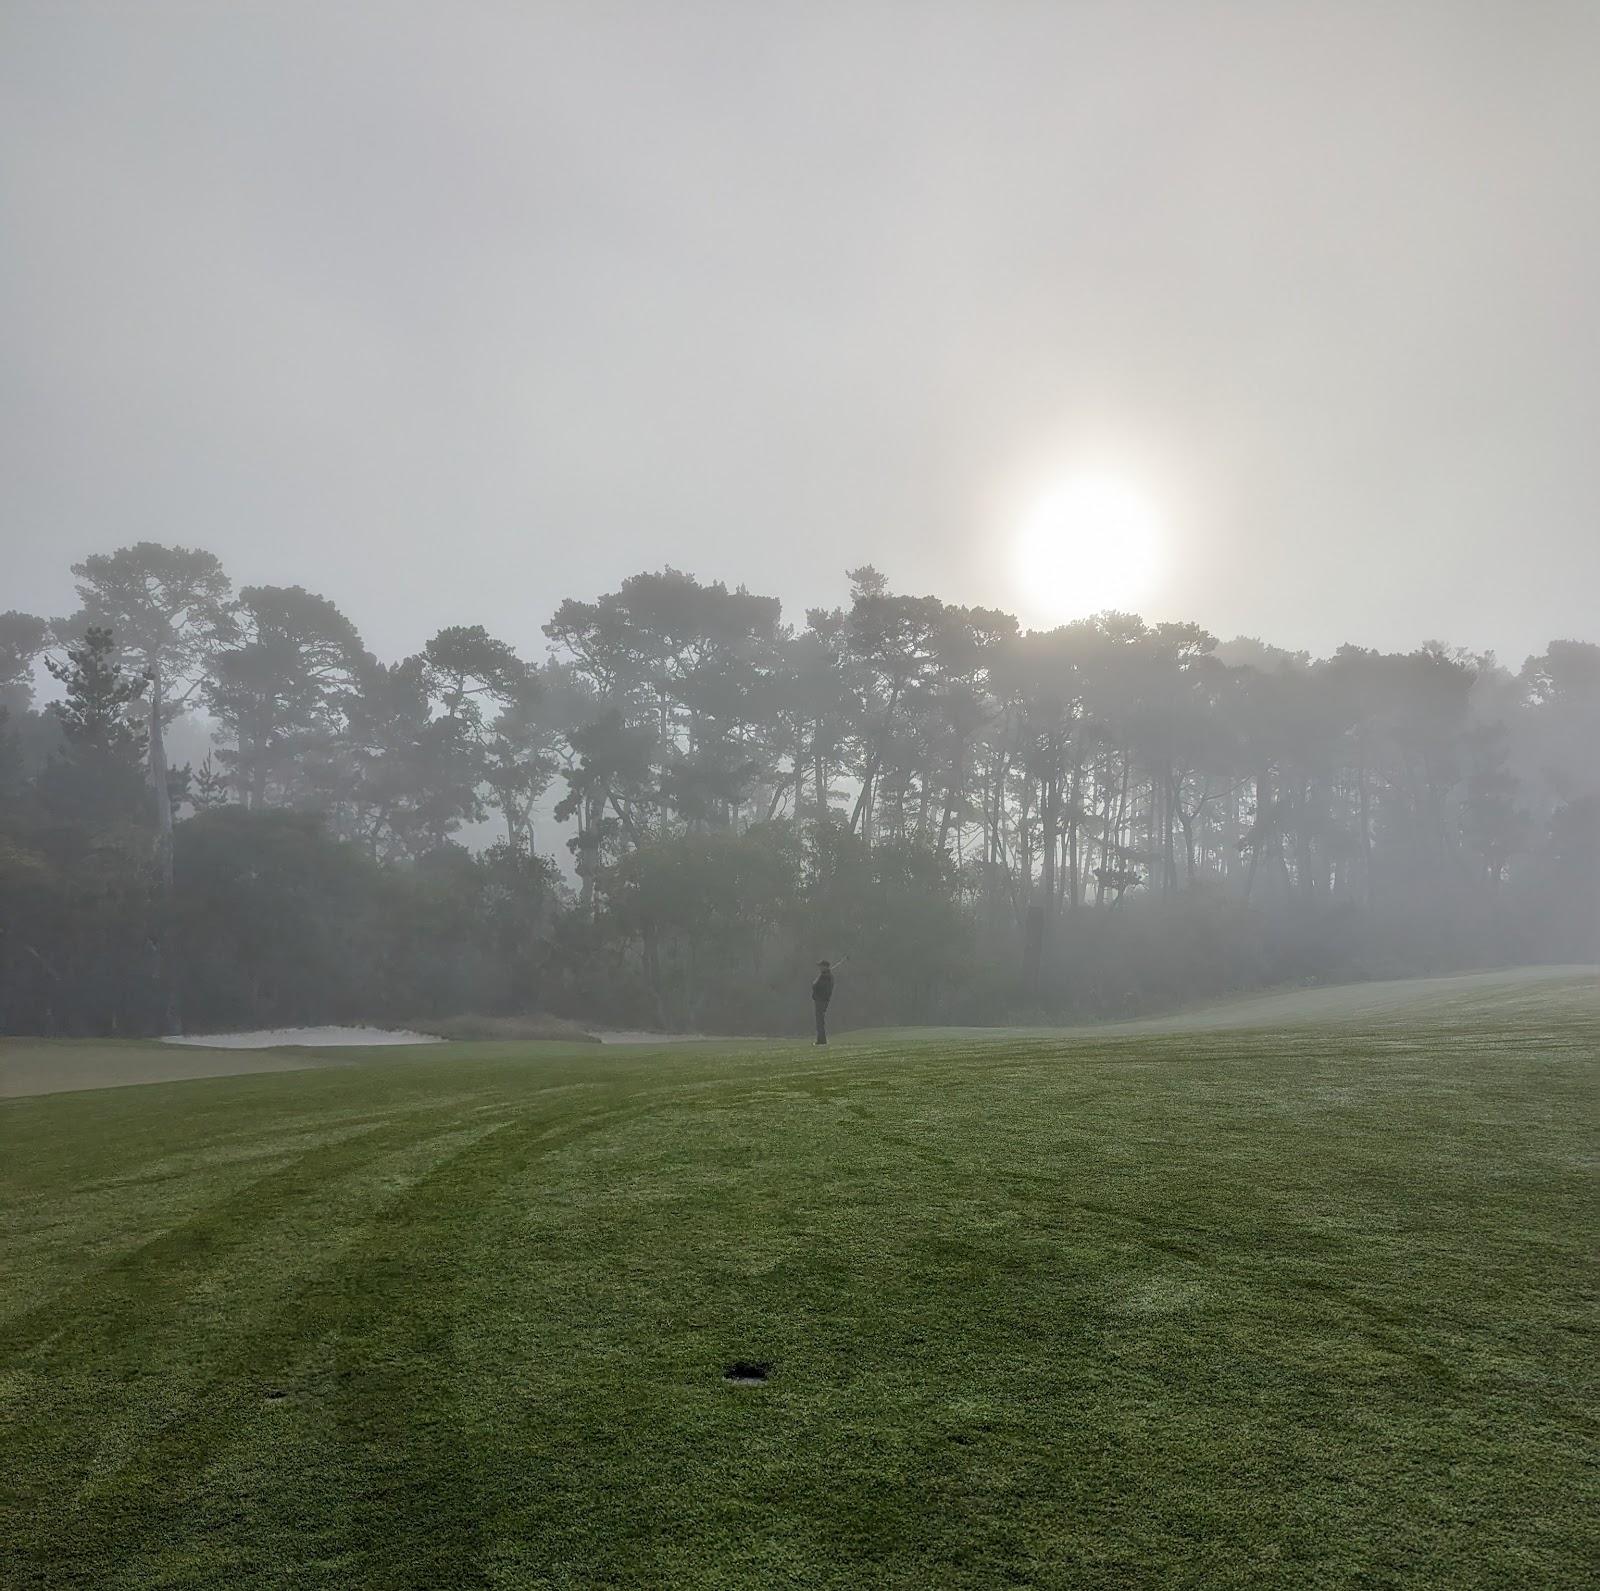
<point x="1261" y="1308"/>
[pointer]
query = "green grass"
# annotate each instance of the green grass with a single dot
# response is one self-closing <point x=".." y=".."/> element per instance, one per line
<point x="1298" y="1306"/>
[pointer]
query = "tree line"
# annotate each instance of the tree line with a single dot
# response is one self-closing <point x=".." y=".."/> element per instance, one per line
<point x="997" y="824"/>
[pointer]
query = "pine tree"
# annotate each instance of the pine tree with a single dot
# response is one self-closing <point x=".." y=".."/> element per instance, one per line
<point x="208" y="787"/>
<point x="100" y="774"/>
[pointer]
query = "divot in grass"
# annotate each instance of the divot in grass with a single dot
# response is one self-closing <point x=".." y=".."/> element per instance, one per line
<point x="747" y="1373"/>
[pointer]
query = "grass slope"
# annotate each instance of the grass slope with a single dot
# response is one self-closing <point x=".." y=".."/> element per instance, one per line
<point x="1301" y="1306"/>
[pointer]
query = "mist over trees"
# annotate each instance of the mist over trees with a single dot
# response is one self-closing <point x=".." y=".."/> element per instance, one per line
<point x="996" y="825"/>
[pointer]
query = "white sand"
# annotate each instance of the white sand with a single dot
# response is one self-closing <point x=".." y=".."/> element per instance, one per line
<point x="300" y="1038"/>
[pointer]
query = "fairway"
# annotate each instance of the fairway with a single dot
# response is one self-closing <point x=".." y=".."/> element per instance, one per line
<point x="1304" y="1302"/>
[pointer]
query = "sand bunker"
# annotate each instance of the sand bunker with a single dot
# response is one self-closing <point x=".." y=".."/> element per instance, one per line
<point x="55" y="1066"/>
<point x="299" y="1038"/>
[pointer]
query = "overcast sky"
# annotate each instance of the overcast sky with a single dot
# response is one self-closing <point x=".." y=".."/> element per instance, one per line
<point x="452" y="310"/>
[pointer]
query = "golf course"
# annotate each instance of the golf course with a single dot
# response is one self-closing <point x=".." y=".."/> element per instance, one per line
<point x="1296" y="1291"/>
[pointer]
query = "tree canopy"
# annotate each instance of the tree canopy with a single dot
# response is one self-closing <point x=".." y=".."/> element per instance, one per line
<point x="666" y="815"/>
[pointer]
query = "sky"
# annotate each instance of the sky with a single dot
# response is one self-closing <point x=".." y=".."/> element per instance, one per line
<point x="450" y="311"/>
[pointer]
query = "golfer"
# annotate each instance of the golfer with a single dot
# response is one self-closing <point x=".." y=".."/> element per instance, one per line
<point x="821" y="994"/>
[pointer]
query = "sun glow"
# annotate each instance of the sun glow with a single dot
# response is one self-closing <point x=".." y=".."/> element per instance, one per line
<point x="1088" y="543"/>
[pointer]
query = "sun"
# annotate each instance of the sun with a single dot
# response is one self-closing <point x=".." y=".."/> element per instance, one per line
<point x="1088" y="543"/>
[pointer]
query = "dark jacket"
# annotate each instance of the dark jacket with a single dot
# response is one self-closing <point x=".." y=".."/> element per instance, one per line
<point x="822" y="988"/>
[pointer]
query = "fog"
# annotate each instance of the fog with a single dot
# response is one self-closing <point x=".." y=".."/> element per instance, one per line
<point x="533" y="519"/>
<point x="452" y="312"/>
<point x="692" y="803"/>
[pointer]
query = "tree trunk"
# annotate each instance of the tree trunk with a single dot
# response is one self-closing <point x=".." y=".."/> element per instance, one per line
<point x="1076" y="797"/>
<point x="1025" y="839"/>
<point x="951" y="790"/>
<point x="1048" y="796"/>
<point x="1169" y="861"/>
<point x="1366" y="830"/>
<point x="166" y="970"/>
<point x="863" y="807"/>
<point x="1256" y="838"/>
